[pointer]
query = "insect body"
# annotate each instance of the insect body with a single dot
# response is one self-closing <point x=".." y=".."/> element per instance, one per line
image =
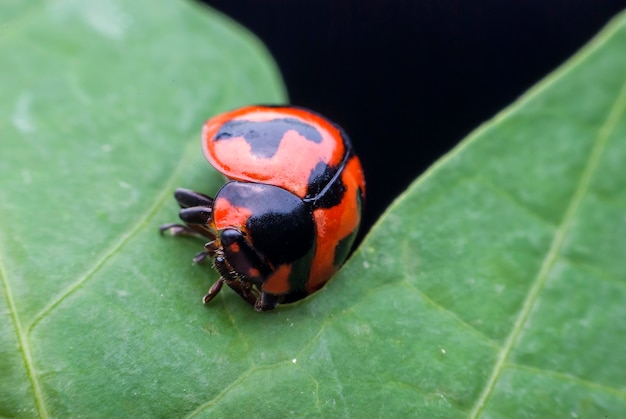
<point x="285" y="221"/>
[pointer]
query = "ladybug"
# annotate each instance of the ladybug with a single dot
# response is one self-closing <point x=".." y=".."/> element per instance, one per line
<point x="285" y="220"/>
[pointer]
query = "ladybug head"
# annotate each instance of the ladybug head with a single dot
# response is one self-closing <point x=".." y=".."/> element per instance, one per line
<point x="260" y="227"/>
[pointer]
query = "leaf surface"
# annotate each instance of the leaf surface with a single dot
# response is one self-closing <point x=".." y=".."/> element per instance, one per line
<point x="493" y="287"/>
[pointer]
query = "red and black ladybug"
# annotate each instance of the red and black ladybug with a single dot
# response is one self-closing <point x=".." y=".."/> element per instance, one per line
<point x="284" y="222"/>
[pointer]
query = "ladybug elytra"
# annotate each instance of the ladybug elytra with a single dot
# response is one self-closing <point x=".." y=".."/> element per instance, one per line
<point x="285" y="220"/>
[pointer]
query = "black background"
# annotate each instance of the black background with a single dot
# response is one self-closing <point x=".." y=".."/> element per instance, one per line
<point x="409" y="79"/>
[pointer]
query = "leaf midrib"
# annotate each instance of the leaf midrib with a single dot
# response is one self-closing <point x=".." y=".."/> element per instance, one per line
<point x="23" y="343"/>
<point x="114" y="249"/>
<point x="22" y="332"/>
<point x="618" y="108"/>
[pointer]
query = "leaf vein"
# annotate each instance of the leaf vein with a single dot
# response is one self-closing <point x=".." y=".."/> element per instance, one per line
<point x="514" y="201"/>
<point x="598" y="273"/>
<point x="244" y="376"/>
<point x="454" y="316"/>
<point x="435" y="304"/>
<point x="124" y="239"/>
<point x="572" y="379"/>
<point x="540" y="279"/>
<point x="22" y="339"/>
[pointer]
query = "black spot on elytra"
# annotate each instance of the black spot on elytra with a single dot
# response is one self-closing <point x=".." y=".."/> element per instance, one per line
<point x="325" y="189"/>
<point x="342" y="250"/>
<point x="264" y="137"/>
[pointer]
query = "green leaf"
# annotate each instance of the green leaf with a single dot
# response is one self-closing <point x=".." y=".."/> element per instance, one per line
<point x="494" y="287"/>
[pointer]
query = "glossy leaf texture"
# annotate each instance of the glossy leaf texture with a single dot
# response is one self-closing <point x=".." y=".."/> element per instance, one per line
<point x="494" y="287"/>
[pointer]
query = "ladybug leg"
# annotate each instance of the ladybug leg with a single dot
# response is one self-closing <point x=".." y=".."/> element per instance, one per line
<point x="197" y="213"/>
<point x="210" y="249"/>
<point x="228" y="276"/>
<point x="187" y="198"/>
<point x="198" y="221"/>
<point x="246" y="268"/>
<point x="244" y="290"/>
<point x="178" y="230"/>
<point x="214" y="290"/>
<point x="266" y="302"/>
<point x="241" y="288"/>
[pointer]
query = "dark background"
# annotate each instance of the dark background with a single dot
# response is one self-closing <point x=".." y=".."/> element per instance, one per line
<point x="409" y="79"/>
